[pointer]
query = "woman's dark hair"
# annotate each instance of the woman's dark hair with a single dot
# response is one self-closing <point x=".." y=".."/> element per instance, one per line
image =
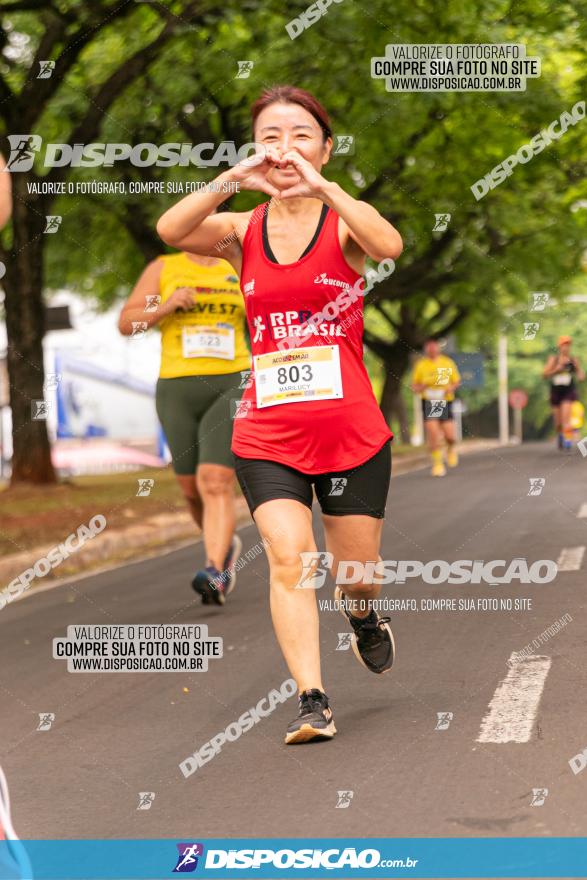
<point x="293" y="95"/>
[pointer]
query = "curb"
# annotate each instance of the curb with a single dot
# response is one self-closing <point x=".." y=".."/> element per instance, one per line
<point x="153" y="533"/>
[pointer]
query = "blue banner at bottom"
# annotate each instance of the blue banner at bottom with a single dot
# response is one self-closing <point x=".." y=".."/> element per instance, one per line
<point x="348" y="858"/>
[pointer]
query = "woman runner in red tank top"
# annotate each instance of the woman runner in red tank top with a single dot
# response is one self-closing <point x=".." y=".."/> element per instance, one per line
<point x="308" y="420"/>
<point x="293" y="426"/>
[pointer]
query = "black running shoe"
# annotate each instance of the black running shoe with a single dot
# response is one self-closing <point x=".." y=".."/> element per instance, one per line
<point x="210" y="584"/>
<point x="372" y="640"/>
<point x="315" y="720"/>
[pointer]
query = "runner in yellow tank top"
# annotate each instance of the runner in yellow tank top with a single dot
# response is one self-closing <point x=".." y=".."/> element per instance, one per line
<point x="197" y="305"/>
<point x="435" y="378"/>
<point x="209" y="339"/>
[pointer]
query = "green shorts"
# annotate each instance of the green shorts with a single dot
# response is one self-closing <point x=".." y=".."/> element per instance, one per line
<point x="196" y="414"/>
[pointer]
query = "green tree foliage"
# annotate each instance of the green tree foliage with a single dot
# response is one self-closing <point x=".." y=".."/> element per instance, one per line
<point x="159" y="72"/>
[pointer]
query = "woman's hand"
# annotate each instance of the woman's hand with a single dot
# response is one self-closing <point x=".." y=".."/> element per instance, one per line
<point x="252" y="172"/>
<point x="181" y="299"/>
<point x="311" y="182"/>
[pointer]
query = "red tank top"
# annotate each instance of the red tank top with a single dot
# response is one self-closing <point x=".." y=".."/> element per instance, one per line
<point x="313" y="436"/>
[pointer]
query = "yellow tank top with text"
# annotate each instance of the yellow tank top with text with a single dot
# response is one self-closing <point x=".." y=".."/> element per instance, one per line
<point x="435" y="373"/>
<point x="210" y="338"/>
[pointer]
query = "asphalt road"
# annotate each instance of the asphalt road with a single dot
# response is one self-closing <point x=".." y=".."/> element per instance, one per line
<point x="115" y="735"/>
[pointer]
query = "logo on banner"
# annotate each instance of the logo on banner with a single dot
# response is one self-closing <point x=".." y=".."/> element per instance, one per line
<point x="187" y="860"/>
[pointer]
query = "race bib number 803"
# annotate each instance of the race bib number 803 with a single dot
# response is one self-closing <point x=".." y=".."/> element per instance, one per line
<point x="308" y="374"/>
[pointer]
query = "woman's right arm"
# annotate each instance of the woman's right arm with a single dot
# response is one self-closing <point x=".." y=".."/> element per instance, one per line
<point x="191" y="225"/>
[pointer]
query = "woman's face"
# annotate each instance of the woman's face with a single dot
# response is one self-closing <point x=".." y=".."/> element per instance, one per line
<point x="565" y="349"/>
<point x="289" y="127"/>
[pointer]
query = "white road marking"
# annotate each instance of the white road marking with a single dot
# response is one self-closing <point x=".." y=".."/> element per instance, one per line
<point x="583" y="511"/>
<point x="570" y="558"/>
<point x="513" y="707"/>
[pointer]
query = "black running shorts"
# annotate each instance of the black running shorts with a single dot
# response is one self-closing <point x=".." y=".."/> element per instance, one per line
<point x="432" y="410"/>
<point x="361" y="490"/>
<point x="560" y="393"/>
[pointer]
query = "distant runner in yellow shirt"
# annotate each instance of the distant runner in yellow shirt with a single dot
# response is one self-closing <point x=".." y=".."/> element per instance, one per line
<point x="197" y="303"/>
<point x="435" y="379"/>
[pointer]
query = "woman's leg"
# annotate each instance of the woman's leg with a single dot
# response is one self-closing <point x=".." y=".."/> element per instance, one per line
<point x="434" y="441"/>
<point x="357" y="539"/>
<point x="449" y="431"/>
<point x="353" y="521"/>
<point x="286" y="527"/>
<point x="173" y="399"/>
<point x="556" y="418"/>
<point x="215" y="485"/>
<point x="189" y="490"/>
<point x="215" y="475"/>
<point x="450" y="435"/>
<point x="565" y="418"/>
<point x="433" y="434"/>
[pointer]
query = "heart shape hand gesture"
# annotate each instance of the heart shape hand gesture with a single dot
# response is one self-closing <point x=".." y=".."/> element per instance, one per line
<point x="252" y="174"/>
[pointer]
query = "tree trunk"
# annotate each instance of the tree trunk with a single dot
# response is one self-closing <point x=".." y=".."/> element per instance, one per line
<point x="393" y="405"/>
<point x="25" y="327"/>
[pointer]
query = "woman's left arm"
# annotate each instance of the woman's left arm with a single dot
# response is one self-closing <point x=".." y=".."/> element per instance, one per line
<point x="372" y="232"/>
